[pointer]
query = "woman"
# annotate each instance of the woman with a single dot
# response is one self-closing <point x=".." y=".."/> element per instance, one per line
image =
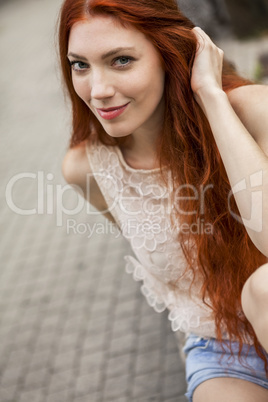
<point x="171" y="145"/>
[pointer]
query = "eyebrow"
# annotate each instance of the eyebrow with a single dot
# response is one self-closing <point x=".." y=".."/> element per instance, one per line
<point x="104" y="56"/>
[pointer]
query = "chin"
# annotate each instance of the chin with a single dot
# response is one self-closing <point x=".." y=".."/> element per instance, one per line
<point x="117" y="133"/>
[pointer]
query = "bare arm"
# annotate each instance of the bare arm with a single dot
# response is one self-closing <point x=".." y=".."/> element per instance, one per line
<point x="254" y="300"/>
<point x="76" y="171"/>
<point x="240" y="127"/>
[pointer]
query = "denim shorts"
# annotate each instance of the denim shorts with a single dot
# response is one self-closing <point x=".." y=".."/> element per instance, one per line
<point x="208" y="358"/>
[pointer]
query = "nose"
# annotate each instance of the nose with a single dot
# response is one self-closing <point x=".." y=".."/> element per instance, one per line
<point x="101" y="85"/>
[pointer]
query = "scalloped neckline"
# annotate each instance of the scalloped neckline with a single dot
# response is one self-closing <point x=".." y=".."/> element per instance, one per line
<point x="128" y="167"/>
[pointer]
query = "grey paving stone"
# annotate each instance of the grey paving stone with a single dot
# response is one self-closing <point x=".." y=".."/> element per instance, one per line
<point x="119" y="365"/>
<point x="123" y="326"/>
<point x="88" y="383"/>
<point x="125" y="290"/>
<point x="40" y="358"/>
<point x="92" y="397"/>
<point x="172" y="363"/>
<point x="155" y="398"/>
<point x="64" y="395"/>
<point x="96" y="325"/>
<point x="36" y="395"/>
<point x="146" y="385"/>
<point x="123" y="344"/>
<point x="149" y="323"/>
<point x="17" y="357"/>
<point x="177" y="399"/>
<point x="64" y="361"/>
<point x="147" y="362"/>
<point x="110" y="398"/>
<point x="47" y="330"/>
<point x="8" y="393"/>
<point x="61" y="380"/>
<point x="174" y="384"/>
<point x="95" y="341"/>
<point x="36" y="378"/>
<point x="5" y="347"/>
<point x="116" y="387"/>
<point x="46" y="337"/>
<point x="149" y="341"/>
<point x="71" y="324"/>
<point x="101" y="310"/>
<point x="90" y="362"/>
<point x="124" y="309"/>
<point x="33" y="396"/>
<point x="68" y="342"/>
<point x="11" y="375"/>
<point x="171" y="343"/>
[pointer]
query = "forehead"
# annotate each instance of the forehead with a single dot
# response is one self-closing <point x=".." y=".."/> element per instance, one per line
<point x="103" y="31"/>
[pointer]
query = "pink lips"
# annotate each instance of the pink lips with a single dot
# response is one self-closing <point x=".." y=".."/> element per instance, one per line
<point x="112" y="112"/>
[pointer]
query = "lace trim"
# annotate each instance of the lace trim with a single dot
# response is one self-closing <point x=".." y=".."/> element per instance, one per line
<point x="131" y="169"/>
<point x="140" y="274"/>
<point x="185" y="315"/>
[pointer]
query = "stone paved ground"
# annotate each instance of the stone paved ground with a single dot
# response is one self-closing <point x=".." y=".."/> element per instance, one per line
<point x="74" y="325"/>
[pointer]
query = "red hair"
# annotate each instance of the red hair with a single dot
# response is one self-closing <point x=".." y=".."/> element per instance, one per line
<point x="226" y="257"/>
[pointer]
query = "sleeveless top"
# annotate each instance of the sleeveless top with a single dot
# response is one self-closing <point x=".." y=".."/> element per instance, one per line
<point x="139" y="203"/>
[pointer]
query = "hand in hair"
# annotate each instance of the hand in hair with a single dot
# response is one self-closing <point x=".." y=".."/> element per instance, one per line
<point x="207" y="67"/>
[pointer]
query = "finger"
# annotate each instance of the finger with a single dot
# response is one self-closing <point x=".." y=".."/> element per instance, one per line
<point x="204" y="39"/>
<point x="199" y="34"/>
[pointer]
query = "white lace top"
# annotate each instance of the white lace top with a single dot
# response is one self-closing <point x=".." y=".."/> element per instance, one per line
<point x="139" y="203"/>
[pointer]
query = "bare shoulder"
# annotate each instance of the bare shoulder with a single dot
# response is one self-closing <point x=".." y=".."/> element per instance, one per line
<point x="75" y="165"/>
<point x="250" y="102"/>
<point x="243" y="96"/>
<point x="77" y="172"/>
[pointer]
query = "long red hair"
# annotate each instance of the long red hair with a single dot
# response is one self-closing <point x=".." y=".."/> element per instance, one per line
<point x="226" y="257"/>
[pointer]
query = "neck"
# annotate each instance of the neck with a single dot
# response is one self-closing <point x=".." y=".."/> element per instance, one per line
<point x="140" y="151"/>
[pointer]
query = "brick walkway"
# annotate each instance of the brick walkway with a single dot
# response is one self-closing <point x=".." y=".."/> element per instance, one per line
<point x="74" y="325"/>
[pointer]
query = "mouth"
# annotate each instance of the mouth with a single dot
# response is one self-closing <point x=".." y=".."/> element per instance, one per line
<point x="112" y="112"/>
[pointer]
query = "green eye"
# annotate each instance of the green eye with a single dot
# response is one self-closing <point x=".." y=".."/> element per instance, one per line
<point x="78" y="65"/>
<point x="123" y="61"/>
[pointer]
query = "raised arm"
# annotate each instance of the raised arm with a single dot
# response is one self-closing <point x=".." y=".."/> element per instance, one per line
<point x="239" y="123"/>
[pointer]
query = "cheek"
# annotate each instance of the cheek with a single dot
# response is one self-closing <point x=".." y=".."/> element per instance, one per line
<point x="81" y="87"/>
<point x="158" y="86"/>
<point x="150" y="86"/>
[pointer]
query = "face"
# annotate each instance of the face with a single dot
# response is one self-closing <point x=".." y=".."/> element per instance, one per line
<point x="118" y="73"/>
